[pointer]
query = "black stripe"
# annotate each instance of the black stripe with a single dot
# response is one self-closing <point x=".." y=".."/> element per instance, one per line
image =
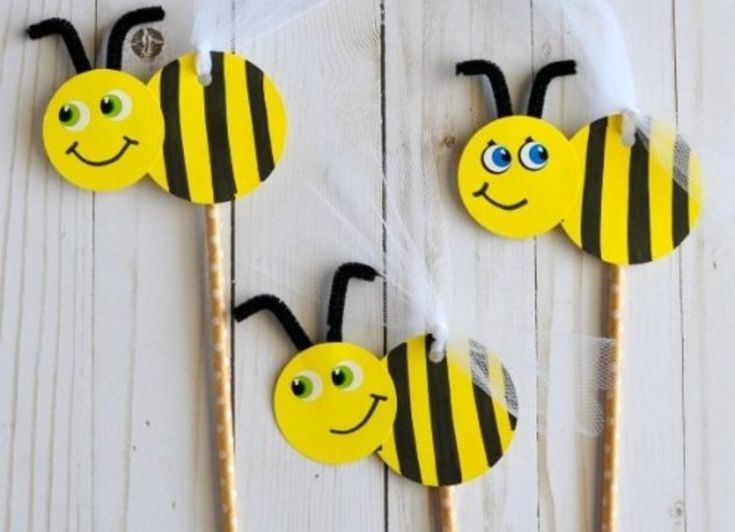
<point x="448" y="470"/>
<point x="680" y="222"/>
<point x="511" y="399"/>
<point x="484" y="405"/>
<point x="173" y="148"/>
<point x="215" y="112"/>
<point x="592" y="196"/>
<point x="259" y="117"/>
<point x="639" y="208"/>
<point x="403" y="434"/>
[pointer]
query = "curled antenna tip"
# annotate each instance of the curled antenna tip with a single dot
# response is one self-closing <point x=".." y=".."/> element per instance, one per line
<point x="476" y="67"/>
<point x="64" y="28"/>
<point x="568" y="67"/>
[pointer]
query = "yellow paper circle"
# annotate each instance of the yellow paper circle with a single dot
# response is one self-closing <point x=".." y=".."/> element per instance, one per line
<point x="337" y="421"/>
<point x="634" y="207"/>
<point x="455" y="419"/>
<point x="505" y="184"/>
<point x="223" y="139"/>
<point x="103" y="130"/>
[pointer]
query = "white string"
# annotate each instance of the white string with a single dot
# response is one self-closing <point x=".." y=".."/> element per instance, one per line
<point x="631" y="119"/>
<point x="204" y="65"/>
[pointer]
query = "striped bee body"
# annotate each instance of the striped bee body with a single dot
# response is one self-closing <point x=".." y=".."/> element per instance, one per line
<point x="223" y="139"/>
<point x="638" y="203"/>
<point x="455" y="418"/>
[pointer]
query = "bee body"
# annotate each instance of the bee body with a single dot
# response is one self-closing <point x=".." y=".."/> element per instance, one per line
<point x="638" y="203"/>
<point x="223" y="139"/>
<point x="454" y="419"/>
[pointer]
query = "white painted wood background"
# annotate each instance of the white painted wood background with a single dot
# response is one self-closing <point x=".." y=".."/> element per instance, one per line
<point x="104" y="421"/>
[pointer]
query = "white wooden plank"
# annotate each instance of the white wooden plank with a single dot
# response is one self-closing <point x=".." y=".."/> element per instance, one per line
<point x="45" y="294"/>
<point x="493" y="285"/>
<point x="569" y="302"/>
<point x="705" y="86"/>
<point x="151" y="416"/>
<point x="652" y="481"/>
<point x="568" y="462"/>
<point x="327" y="66"/>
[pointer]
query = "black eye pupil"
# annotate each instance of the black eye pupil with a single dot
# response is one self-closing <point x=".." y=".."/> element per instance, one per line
<point x="298" y="387"/>
<point x="543" y="153"/>
<point x="106" y="105"/>
<point x="65" y="113"/>
<point x="338" y="377"/>
<point x="505" y="155"/>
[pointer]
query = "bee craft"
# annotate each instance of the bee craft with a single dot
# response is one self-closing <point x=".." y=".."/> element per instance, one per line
<point x="435" y="423"/>
<point x="334" y="402"/>
<point x="638" y="202"/>
<point x="456" y="418"/>
<point x="518" y="176"/>
<point x="104" y="130"/>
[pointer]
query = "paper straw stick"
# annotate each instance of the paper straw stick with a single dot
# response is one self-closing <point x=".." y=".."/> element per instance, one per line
<point x="610" y="459"/>
<point x="447" y="509"/>
<point x="222" y="373"/>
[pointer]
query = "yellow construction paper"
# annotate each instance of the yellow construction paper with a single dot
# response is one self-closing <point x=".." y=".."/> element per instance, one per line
<point x="103" y="130"/>
<point x="223" y="139"/>
<point x="455" y="419"/>
<point x="519" y="177"/>
<point x="635" y="207"/>
<point x="335" y="403"/>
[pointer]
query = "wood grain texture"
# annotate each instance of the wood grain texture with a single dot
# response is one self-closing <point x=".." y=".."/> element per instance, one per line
<point x="104" y="419"/>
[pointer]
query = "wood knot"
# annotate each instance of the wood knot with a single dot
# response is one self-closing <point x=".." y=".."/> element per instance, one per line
<point x="147" y="43"/>
<point x="449" y="141"/>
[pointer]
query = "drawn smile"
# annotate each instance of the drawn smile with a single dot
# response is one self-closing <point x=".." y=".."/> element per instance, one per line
<point x="128" y="142"/>
<point x="376" y="401"/>
<point x="482" y="193"/>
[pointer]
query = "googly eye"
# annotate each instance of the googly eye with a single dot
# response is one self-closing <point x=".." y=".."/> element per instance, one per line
<point x="347" y="375"/>
<point x="116" y="105"/>
<point x="306" y="386"/>
<point x="74" y="116"/>
<point x="534" y="155"/>
<point x="496" y="158"/>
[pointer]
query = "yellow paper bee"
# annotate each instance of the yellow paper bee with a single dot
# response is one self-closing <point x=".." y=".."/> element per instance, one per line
<point x="437" y="423"/>
<point x="105" y="130"/>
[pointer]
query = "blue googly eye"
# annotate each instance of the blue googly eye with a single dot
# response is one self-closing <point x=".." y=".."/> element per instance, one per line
<point x="496" y="159"/>
<point x="534" y="156"/>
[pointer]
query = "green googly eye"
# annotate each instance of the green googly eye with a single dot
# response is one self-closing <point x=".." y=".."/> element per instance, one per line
<point x="73" y="115"/>
<point x="115" y="105"/>
<point x="306" y="386"/>
<point x="342" y="376"/>
<point x="69" y="114"/>
<point x="111" y="105"/>
<point x="347" y="375"/>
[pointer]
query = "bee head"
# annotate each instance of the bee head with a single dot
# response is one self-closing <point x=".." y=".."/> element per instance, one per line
<point x="103" y="128"/>
<point x="518" y="175"/>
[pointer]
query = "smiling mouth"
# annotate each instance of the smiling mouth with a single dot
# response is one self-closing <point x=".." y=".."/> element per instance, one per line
<point x="128" y="142"/>
<point x="482" y="193"/>
<point x="376" y="401"/>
